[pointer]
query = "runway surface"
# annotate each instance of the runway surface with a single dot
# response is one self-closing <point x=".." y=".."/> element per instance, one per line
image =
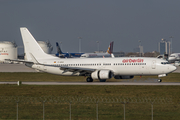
<point x="94" y="83"/>
<point x="178" y="70"/>
<point x="15" y="68"/>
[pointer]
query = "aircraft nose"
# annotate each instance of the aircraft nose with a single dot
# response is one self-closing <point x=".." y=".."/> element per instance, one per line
<point x="172" y="68"/>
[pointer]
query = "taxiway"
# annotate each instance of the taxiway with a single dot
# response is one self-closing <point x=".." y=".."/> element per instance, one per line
<point x="95" y="83"/>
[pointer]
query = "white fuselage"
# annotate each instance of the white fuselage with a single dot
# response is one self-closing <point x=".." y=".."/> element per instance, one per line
<point x="95" y="55"/>
<point x="119" y="66"/>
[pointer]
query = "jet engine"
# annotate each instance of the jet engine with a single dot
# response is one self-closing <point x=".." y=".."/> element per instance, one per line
<point x="123" y="76"/>
<point x="102" y="74"/>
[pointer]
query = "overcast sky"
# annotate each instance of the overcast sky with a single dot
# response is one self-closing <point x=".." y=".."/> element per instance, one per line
<point x="123" y="21"/>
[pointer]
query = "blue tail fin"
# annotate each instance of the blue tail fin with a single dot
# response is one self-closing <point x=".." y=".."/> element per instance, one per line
<point x="58" y="48"/>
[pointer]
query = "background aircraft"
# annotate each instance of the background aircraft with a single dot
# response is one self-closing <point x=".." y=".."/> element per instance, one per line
<point x="84" y="55"/>
<point x="66" y="55"/>
<point x="96" y="55"/>
<point x="174" y="57"/>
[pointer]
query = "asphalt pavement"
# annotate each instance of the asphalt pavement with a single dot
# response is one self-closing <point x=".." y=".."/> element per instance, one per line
<point x="96" y="83"/>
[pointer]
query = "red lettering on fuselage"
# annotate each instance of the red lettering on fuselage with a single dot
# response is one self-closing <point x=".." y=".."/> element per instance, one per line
<point x="3" y="53"/>
<point x="132" y="60"/>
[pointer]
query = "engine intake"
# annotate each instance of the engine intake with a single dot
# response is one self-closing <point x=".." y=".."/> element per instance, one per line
<point x="102" y="74"/>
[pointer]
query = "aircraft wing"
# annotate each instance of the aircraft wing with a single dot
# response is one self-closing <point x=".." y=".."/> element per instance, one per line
<point x="76" y="70"/>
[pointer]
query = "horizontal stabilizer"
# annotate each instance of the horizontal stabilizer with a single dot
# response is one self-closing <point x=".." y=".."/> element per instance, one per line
<point x="19" y="60"/>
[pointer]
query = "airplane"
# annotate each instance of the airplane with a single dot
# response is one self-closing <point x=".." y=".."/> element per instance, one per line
<point x="66" y="55"/>
<point x="84" y="55"/>
<point x="96" y="55"/>
<point x="93" y="68"/>
<point x="174" y="57"/>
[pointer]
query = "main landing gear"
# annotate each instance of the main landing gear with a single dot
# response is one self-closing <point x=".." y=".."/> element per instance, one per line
<point x="89" y="79"/>
<point x="159" y="80"/>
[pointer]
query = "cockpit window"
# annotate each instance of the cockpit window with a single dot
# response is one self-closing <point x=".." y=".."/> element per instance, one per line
<point x="164" y="63"/>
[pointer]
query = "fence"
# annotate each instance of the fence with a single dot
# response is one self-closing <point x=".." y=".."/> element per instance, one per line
<point x="86" y="107"/>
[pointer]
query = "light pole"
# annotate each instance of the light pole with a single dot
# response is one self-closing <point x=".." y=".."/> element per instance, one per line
<point x="80" y="38"/>
<point x="171" y="43"/>
<point x="139" y="43"/>
<point x="97" y="45"/>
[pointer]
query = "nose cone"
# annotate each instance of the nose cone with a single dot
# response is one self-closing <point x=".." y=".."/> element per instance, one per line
<point x="172" y="68"/>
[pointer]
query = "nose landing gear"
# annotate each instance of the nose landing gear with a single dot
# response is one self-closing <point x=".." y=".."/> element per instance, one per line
<point x="159" y="80"/>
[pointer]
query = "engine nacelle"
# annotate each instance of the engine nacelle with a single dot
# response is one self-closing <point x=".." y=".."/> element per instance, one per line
<point x="102" y="74"/>
<point x="123" y="76"/>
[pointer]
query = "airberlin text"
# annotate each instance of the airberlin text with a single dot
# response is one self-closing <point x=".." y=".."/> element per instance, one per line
<point x="3" y="53"/>
<point x="133" y="60"/>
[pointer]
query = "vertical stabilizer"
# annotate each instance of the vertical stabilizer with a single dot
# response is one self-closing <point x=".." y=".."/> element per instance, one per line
<point x="31" y="46"/>
<point x="58" y="48"/>
<point x="110" y="48"/>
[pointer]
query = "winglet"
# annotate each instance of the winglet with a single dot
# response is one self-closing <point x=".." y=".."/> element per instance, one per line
<point x="112" y="55"/>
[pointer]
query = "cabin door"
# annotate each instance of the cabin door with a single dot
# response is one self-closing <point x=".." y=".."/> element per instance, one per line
<point x="44" y="67"/>
<point x="153" y="64"/>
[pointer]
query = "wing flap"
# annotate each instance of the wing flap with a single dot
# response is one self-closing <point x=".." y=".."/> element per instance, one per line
<point x="76" y="70"/>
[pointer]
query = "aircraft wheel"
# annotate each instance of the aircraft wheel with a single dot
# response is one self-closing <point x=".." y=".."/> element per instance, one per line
<point x="159" y="80"/>
<point x="89" y="79"/>
<point x="102" y="80"/>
